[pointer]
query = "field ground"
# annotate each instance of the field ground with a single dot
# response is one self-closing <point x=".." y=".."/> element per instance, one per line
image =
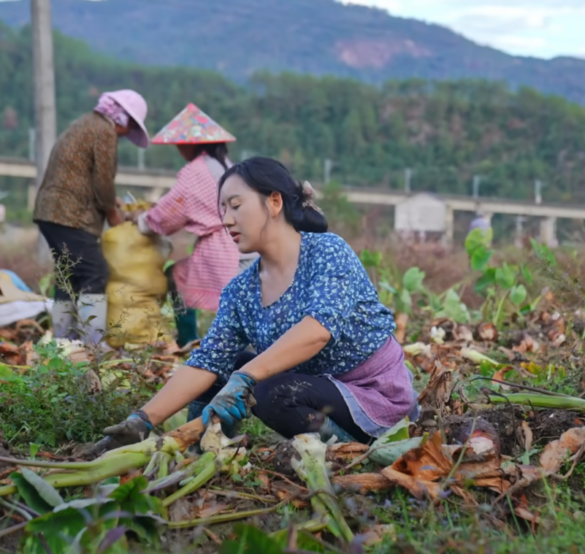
<point x="488" y="471"/>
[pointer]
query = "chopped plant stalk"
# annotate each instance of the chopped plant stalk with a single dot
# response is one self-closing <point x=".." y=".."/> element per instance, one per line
<point x="312" y="468"/>
<point x="477" y="357"/>
<point x="163" y="468"/>
<point x="198" y="466"/>
<point x="226" y="518"/>
<point x="111" y="467"/>
<point x="417" y="349"/>
<point x="205" y="475"/>
<point x="311" y="526"/>
<point x="540" y="401"/>
<point x="116" y="462"/>
<point x="154" y="464"/>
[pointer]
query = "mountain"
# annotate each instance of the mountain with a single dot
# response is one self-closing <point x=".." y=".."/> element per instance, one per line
<point x="446" y="131"/>
<point x="240" y="37"/>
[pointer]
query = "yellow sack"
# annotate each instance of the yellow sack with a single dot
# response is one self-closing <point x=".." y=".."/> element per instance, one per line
<point x="137" y="286"/>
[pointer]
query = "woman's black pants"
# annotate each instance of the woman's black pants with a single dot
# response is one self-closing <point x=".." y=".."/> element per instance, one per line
<point x="292" y="403"/>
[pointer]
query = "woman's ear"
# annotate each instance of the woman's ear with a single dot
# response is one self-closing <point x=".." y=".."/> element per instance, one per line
<point x="274" y="203"/>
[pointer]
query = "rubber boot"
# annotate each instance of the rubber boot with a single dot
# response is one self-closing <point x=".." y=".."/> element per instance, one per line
<point x="62" y="319"/>
<point x="330" y="429"/>
<point x="186" y="323"/>
<point x="93" y="312"/>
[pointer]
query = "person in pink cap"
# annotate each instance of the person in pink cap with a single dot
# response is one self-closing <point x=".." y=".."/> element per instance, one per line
<point x="192" y="204"/>
<point x="77" y="196"/>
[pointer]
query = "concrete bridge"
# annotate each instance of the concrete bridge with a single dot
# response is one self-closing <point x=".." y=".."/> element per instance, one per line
<point x="158" y="181"/>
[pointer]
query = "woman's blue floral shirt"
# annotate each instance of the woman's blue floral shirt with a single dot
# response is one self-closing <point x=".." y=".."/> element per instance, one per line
<point x="330" y="285"/>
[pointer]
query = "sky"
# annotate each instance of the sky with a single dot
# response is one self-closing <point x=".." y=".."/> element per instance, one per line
<point x="539" y="28"/>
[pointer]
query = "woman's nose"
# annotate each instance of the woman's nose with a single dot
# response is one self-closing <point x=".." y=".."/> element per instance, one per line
<point x="228" y="220"/>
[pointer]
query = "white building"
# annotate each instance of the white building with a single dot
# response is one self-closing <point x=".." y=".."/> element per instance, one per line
<point x="421" y="214"/>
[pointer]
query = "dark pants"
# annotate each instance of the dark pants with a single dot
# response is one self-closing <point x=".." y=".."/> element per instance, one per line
<point x="293" y="403"/>
<point x="185" y="318"/>
<point x="78" y="259"/>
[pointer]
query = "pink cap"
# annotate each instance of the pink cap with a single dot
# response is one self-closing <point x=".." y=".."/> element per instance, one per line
<point x="136" y="107"/>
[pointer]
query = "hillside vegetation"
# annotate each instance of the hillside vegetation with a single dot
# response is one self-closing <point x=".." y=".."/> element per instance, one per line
<point x="241" y="37"/>
<point x="445" y="131"/>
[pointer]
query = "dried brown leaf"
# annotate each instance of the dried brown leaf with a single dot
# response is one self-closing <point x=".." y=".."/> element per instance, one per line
<point x="487" y="332"/>
<point x="558" y="451"/>
<point x="346" y="452"/>
<point x="428" y="462"/>
<point x="419" y="488"/>
<point x="264" y="480"/>
<point x="528" y="436"/>
<point x="527" y="515"/>
<point x="212" y="509"/>
<point x="438" y="391"/>
<point x="376" y="534"/>
<point x="362" y="482"/>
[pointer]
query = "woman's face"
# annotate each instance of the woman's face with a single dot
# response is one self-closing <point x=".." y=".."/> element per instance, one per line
<point x="187" y="151"/>
<point x="247" y="215"/>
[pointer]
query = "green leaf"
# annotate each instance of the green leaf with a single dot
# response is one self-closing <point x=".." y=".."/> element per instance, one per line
<point x="385" y="285"/>
<point x="58" y="530"/>
<point x="481" y="258"/>
<point x="506" y="276"/>
<point x="148" y="528"/>
<point x="47" y="492"/>
<point x="371" y="258"/>
<point x="387" y="454"/>
<point x="396" y="433"/>
<point x="476" y="239"/>
<point x="33" y="449"/>
<point x="413" y="279"/>
<point x="404" y="302"/>
<point x="131" y="499"/>
<point x="453" y="308"/>
<point x="518" y="294"/>
<point x="6" y="372"/>
<point x="250" y="540"/>
<point x="527" y="274"/>
<point x="544" y="253"/>
<point x="487" y="280"/>
<point x="30" y="495"/>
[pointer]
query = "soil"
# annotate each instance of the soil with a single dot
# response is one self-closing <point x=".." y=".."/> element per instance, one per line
<point x="546" y="425"/>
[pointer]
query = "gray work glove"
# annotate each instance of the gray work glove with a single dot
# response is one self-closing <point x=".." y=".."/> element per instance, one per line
<point x="134" y="429"/>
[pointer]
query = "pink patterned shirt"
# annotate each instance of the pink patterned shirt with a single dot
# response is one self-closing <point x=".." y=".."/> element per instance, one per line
<point x="192" y="204"/>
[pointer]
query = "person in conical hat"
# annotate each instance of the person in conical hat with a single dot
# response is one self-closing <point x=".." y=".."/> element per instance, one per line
<point x="192" y="205"/>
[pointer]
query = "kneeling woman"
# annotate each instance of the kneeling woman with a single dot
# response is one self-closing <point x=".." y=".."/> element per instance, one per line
<point x="326" y="357"/>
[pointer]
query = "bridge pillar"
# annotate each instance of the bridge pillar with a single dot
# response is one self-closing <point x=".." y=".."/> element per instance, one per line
<point x="449" y="223"/>
<point x="548" y="232"/>
<point x="519" y="238"/>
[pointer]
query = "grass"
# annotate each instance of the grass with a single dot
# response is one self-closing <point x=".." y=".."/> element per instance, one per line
<point x="49" y="407"/>
<point x="451" y="529"/>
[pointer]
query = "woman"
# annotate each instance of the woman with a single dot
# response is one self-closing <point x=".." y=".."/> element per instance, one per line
<point x="326" y="358"/>
<point x="195" y="282"/>
<point x="77" y="196"/>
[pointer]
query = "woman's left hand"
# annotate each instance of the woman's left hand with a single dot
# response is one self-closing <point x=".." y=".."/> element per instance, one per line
<point x="230" y="403"/>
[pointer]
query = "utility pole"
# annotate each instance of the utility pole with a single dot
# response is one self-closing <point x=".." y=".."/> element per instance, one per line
<point x="538" y="191"/>
<point x="141" y="153"/>
<point x="44" y="83"/>
<point x="407" y="178"/>
<point x="476" y="183"/>
<point x="327" y="167"/>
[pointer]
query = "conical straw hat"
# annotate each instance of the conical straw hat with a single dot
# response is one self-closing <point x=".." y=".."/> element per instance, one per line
<point x="192" y="126"/>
